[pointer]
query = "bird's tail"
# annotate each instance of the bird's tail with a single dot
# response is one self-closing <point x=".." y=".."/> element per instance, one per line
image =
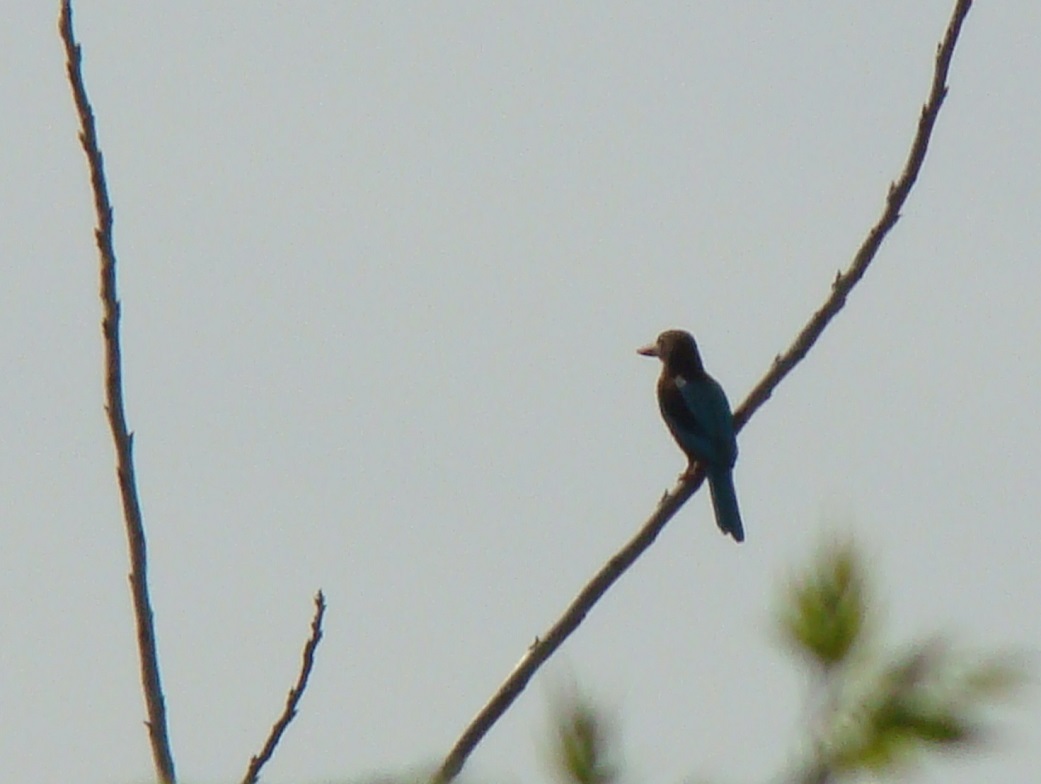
<point x="724" y="502"/>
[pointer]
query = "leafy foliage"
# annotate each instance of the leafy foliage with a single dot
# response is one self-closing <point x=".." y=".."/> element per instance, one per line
<point x="584" y="745"/>
<point x="882" y="710"/>
<point x="827" y="607"/>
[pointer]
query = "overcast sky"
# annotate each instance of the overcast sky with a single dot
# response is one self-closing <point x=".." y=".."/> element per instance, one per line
<point x="383" y="274"/>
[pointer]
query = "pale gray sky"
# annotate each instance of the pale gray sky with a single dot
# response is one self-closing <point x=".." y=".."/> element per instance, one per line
<point x="383" y="275"/>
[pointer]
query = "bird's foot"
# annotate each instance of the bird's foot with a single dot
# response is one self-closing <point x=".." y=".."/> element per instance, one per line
<point x="687" y="474"/>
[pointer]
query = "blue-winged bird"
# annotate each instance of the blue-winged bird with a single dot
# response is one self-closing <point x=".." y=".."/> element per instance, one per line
<point x="698" y="415"/>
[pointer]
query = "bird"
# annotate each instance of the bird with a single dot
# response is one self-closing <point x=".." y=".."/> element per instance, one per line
<point x="696" y="411"/>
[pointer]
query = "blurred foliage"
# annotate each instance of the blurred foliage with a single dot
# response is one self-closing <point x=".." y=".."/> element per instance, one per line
<point x="584" y="744"/>
<point x="826" y="607"/>
<point x="882" y="709"/>
<point x="876" y="710"/>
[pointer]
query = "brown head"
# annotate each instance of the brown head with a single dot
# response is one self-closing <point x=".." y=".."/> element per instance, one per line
<point x="678" y="352"/>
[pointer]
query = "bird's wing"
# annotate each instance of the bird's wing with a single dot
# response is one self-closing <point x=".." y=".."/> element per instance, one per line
<point x="707" y="422"/>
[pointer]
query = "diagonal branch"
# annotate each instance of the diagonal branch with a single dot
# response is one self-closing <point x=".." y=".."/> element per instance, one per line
<point x="898" y="193"/>
<point x="293" y="699"/>
<point x="544" y="647"/>
<point x="157" y="729"/>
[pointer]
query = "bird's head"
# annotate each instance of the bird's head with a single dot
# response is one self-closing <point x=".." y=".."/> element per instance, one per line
<point x="677" y="350"/>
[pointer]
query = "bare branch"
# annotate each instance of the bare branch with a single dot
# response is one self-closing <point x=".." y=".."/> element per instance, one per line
<point x="146" y="644"/>
<point x="898" y="193"/>
<point x="293" y="699"/>
<point x="781" y="366"/>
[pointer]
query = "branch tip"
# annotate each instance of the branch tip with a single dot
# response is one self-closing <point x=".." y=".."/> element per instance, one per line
<point x="114" y="408"/>
<point x="296" y="692"/>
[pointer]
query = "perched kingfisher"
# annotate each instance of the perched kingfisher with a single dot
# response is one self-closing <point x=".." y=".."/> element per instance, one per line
<point x="696" y="410"/>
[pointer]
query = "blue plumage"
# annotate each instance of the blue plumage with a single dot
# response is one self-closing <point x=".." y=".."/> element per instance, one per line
<point x="697" y="413"/>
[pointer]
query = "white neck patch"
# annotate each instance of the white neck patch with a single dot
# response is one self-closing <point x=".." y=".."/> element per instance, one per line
<point x="679" y="381"/>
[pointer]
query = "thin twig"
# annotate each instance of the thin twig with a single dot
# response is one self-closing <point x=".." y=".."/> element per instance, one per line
<point x="898" y="192"/>
<point x="146" y="645"/>
<point x="544" y="647"/>
<point x="293" y="699"/>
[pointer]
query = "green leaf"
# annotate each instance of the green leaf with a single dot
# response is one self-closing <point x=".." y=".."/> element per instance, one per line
<point x="924" y="697"/>
<point x="996" y="678"/>
<point x="826" y="608"/>
<point x="583" y="744"/>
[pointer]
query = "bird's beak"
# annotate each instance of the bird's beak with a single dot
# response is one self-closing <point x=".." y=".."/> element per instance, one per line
<point x="650" y="350"/>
